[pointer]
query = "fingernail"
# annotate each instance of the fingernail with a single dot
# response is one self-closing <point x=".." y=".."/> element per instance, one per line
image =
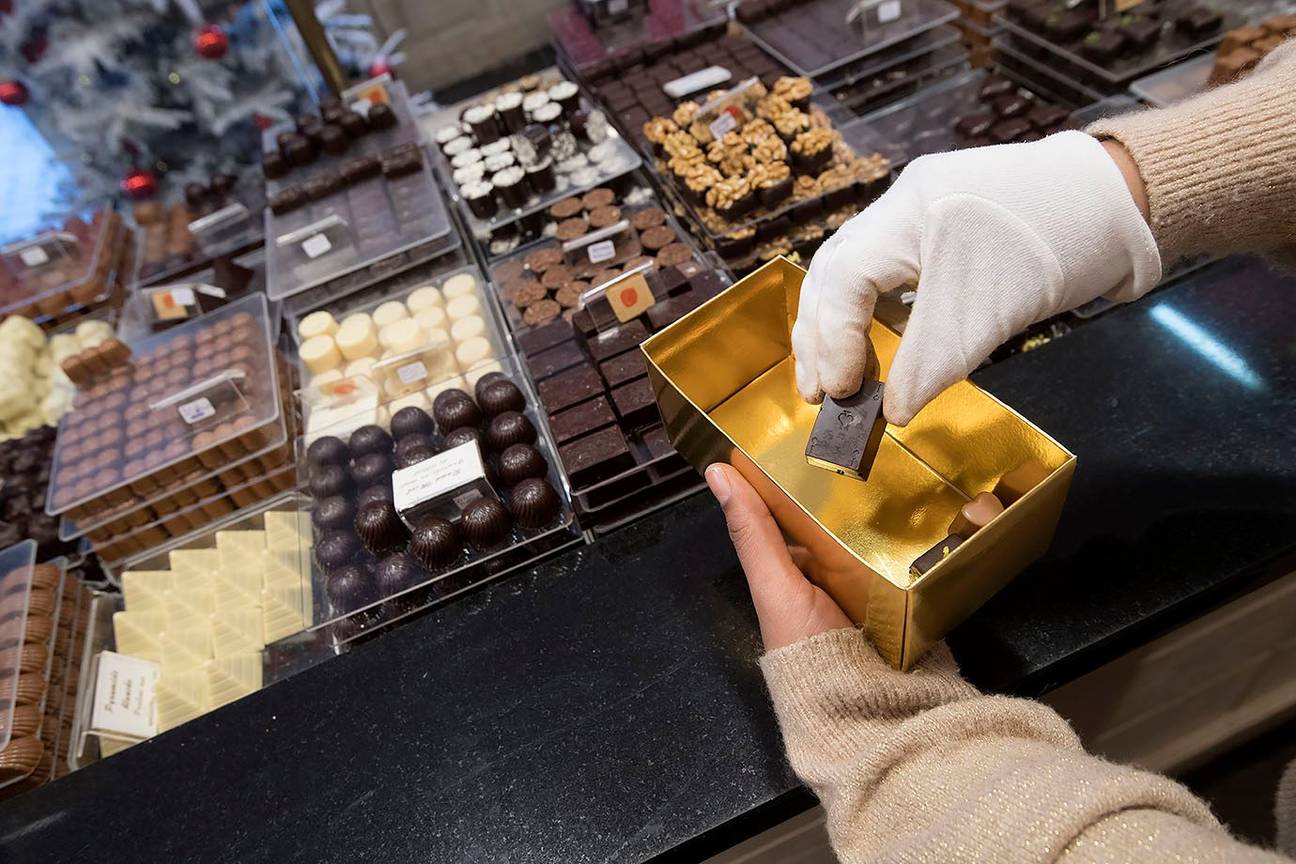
<point x="719" y="483"/>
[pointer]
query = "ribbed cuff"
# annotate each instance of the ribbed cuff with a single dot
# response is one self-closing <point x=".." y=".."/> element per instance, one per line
<point x="838" y="675"/>
<point x="1218" y="167"/>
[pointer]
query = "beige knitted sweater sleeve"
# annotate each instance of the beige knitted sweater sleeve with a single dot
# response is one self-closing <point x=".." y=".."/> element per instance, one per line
<point x="921" y="767"/>
<point x="1220" y="168"/>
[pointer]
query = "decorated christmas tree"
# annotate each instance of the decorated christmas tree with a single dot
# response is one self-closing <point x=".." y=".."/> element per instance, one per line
<point x="143" y="96"/>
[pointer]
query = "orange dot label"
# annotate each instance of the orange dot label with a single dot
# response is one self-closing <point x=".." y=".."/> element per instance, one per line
<point x="629" y="297"/>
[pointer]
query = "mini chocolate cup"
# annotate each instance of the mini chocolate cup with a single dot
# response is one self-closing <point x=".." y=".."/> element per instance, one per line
<point x="486" y="130"/>
<point x="811" y="163"/>
<point x="513" y="119"/>
<point x="542" y="178"/>
<point x="483" y="206"/>
<point x="517" y="195"/>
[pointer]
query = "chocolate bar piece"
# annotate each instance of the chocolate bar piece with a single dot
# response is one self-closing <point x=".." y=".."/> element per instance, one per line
<point x="1020" y="480"/>
<point x="976" y="514"/>
<point x="622" y="368"/>
<point x="583" y="419"/>
<point x="574" y="385"/>
<point x="635" y="403"/>
<point x="555" y="360"/>
<point x="935" y="555"/>
<point x="848" y="432"/>
<point x="538" y="339"/>
<point x="596" y="457"/>
<point x="624" y="338"/>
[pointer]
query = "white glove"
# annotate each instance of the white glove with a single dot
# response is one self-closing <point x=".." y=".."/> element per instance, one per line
<point x="996" y="238"/>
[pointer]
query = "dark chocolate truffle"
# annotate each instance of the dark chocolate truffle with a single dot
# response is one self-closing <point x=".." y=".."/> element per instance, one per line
<point x="333" y="513"/>
<point x="381" y="492"/>
<point x="520" y="462"/>
<point x="409" y="442"/>
<point x="371" y="470"/>
<point x="370" y="439"/>
<point x="414" y="455"/>
<point x="462" y="436"/>
<point x="499" y="397"/>
<point x="485" y="523"/>
<point x="350" y="587"/>
<point x="411" y="420"/>
<point x="329" y="480"/>
<point x="453" y="409"/>
<point x="509" y="428"/>
<point x="336" y="549"/>
<point x="328" y="451"/>
<point x="381" y="116"/>
<point x="534" y="503"/>
<point x="487" y="380"/>
<point x="395" y="573"/>
<point x="379" y="528"/>
<point x="435" y="542"/>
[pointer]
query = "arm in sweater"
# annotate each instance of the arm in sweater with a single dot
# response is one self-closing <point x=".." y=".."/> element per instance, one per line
<point x="1219" y="169"/>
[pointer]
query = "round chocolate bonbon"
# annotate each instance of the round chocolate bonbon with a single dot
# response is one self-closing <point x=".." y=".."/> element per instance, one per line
<point x="415" y="455"/>
<point x="520" y="462"/>
<point x="328" y="451"/>
<point x="379" y="528"/>
<point x="501" y="396"/>
<point x="396" y="573"/>
<point x="411" y="420"/>
<point x="329" y="480"/>
<point x="485" y="523"/>
<point x="487" y="380"/>
<point x="462" y="436"/>
<point x="337" y="549"/>
<point x="509" y="428"/>
<point x="371" y="469"/>
<point x="453" y="409"/>
<point x="382" y="492"/>
<point x="534" y="503"/>
<point x="333" y="513"/>
<point x="409" y="442"/>
<point x="370" y="439"/>
<point x="435" y="542"/>
<point x="349" y="587"/>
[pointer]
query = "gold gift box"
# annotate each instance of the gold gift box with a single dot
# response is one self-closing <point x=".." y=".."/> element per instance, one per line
<point x="723" y="378"/>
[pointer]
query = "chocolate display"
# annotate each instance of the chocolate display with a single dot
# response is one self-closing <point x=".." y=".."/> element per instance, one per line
<point x="168" y="249"/>
<point x="1243" y="48"/>
<point x="848" y="431"/>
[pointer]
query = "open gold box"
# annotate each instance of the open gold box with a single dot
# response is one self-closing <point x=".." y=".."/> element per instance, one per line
<point x="723" y="378"/>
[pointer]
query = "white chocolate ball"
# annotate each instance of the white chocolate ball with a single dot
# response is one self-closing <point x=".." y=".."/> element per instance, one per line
<point x="320" y="354"/>
<point x="389" y="313"/>
<point x="319" y="323"/>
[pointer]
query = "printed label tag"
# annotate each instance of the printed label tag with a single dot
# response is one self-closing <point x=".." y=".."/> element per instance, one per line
<point x="183" y="296"/>
<point x="411" y="372"/>
<point x="630" y="297"/>
<point x="124" y="695"/>
<point x="888" y="11"/>
<point x="431" y="478"/>
<point x="34" y="256"/>
<point x="616" y="7"/>
<point x="704" y="79"/>
<point x="197" y="410"/>
<point x="316" y="245"/>
<point x="722" y="124"/>
<point x="601" y="251"/>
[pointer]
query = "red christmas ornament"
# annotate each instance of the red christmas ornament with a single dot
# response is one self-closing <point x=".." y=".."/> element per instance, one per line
<point x="262" y="121"/>
<point x="381" y="67"/>
<point x="33" y="50"/>
<point x="13" y="93"/>
<point x="140" y="185"/>
<point x="211" y="42"/>
<point x="6" y="6"/>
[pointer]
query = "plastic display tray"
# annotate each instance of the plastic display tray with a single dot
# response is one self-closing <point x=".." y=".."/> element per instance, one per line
<point x="136" y="319"/>
<point x="67" y="271"/>
<point x="897" y="55"/>
<point x="620" y="158"/>
<point x="814" y="38"/>
<point x="870" y="94"/>
<point x="191" y="398"/>
<point x="83" y="745"/>
<point x="1173" y="45"/>
<point x="374" y="227"/>
<point x="584" y="41"/>
<point x="1176" y="83"/>
<point x="226" y="230"/>
<point x="15" y="593"/>
<point x="1043" y="78"/>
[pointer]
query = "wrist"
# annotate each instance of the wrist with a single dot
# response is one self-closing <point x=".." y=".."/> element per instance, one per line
<point x="1130" y="174"/>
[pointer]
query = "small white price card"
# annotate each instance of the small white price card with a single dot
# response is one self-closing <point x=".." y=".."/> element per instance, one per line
<point x="183" y="296"/>
<point x="124" y="696"/>
<point x="34" y="256"/>
<point x="888" y="11"/>
<point x="197" y="410"/>
<point x="316" y="245"/>
<point x="411" y="372"/>
<point x="722" y="124"/>
<point x="604" y="250"/>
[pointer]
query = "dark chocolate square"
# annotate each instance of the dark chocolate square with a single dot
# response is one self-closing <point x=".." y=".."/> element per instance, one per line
<point x="581" y="420"/>
<point x="596" y="457"/>
<point x="657" y="442"/>
<point x="555" y="360"/>
<point x="570" y="387"/>
<point x="847" y="432"/>
<point x="667" y="282"/>
<point x="666" y="312"/>
<point x="623" y="367"/>
<point x="625" y="337"/>
<point x="635" y="403"/>
<point x="935" y="555"/>
<point x="540" y="338"/>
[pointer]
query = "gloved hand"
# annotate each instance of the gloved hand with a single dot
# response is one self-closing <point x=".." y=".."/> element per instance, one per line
<point x="996" y="238"/>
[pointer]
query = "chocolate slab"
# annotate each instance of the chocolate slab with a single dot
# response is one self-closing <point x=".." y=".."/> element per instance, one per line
<point x="538" y="339"/>
<point x="570" y="387"/>
<point x="596" y="457"/>
<point x="622" y="368"/>
<point x="555" y="360"/>
<point x="848" y="432"/>
<point x="935" y="555"/>
<point x="635" y="403"/>
<point x="581" y="420"/>
<point x="625" y="337"/>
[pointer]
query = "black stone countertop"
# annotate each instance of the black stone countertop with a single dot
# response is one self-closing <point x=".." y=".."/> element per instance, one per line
<point x="607" y="706"/>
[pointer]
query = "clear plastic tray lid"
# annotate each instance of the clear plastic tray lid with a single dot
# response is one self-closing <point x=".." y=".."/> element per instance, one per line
<point x="620" y="299"/>
<point x="195" y="396"/>
<point x="55" y="259"/>
<point x="15" y="593"/>
<point x="586" y="39"/>
<point x="1176" y="83"/>
<point x="799" y="36"/>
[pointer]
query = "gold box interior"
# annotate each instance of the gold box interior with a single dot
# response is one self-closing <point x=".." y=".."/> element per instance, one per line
<point x="723" y="376"/>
